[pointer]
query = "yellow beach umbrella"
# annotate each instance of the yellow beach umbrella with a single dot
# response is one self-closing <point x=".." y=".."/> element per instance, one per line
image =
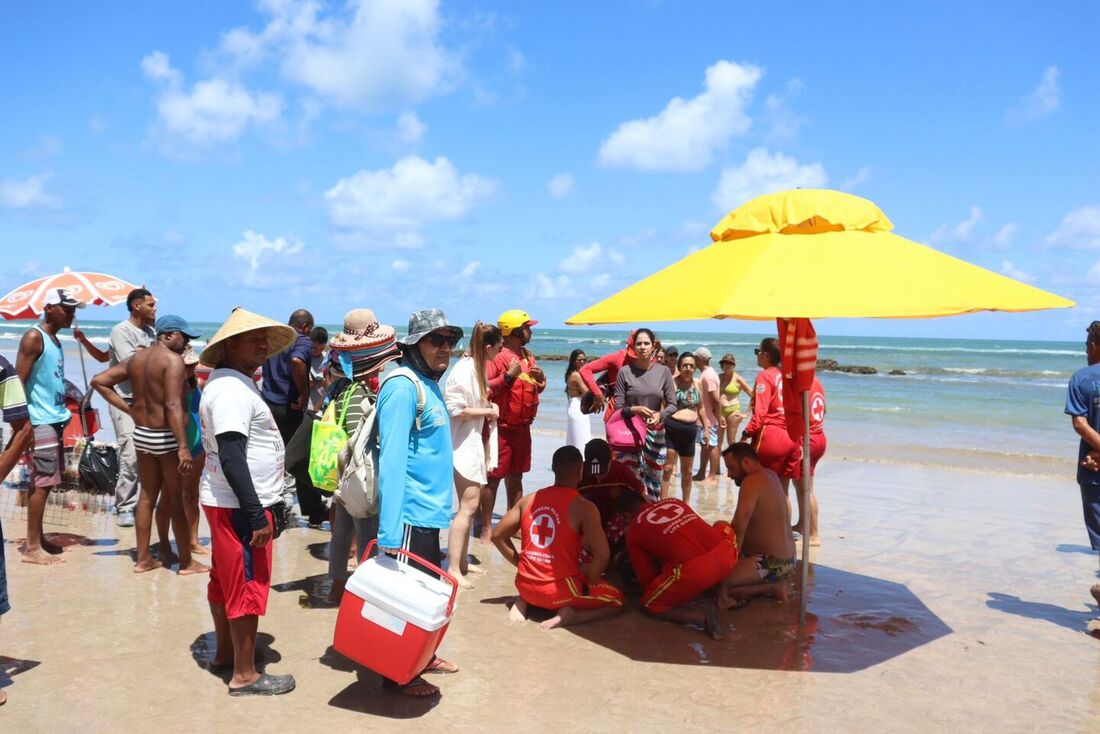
<point x="814" y="253"/>
<point x="807" y="254"/>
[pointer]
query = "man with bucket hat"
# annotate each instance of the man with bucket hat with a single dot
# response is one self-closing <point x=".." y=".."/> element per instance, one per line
<point x="515" y="384"/>
<point x="242" y="482"/>
<point x="157" y="376"/>
<point x="415" y="464"/>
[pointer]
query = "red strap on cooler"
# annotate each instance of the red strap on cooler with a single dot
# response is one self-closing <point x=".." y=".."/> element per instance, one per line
<point x="442" y="574"/>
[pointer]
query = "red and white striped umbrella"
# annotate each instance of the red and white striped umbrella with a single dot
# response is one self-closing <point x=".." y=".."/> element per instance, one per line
<point x="26" y="301"/>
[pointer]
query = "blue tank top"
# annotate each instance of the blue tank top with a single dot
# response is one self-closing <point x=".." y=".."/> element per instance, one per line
<point x="46" y="385"/>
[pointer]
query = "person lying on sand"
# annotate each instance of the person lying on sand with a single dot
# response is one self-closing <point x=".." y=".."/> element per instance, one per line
<point x="680" y="559"/>
<point x="762" y="526"/>
<point x="557" y="523"/>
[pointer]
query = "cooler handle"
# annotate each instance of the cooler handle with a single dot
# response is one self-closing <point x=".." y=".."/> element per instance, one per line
<point x="442" y="574"/>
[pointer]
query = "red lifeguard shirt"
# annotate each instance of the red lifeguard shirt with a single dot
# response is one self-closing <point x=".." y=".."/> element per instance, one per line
<point x="817" y="408"/>
<point x="768" y="402"/>
<point x="518" y="402"/>
<point x="604" y="493"/>
<point x="550" y="549"/>
<point x="668" y="532"/>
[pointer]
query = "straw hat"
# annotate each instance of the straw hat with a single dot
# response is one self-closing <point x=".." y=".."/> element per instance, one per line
<point x="190" y="357"/>
<point x="362" y="331"/>
<point x="279" y="336"/>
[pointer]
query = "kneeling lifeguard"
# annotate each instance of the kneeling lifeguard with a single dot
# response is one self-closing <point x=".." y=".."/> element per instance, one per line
<point x="557" y="523"/>
<point x="678" y="557"/>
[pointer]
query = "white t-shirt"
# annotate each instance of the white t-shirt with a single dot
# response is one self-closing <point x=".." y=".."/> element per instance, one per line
<point x="231" y="403"/>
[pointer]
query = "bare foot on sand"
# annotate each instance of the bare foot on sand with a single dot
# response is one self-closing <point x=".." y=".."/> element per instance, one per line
<point x="815" y="541"/>
<point x="194" y="568"/>
<point x="486" y="536"/>
<point x="782" y="591"/>
<point x="3" y="698"/>
<point x="52" y="548"/>
<point x="200" y="549"/>
<point x="462" y="581"/>
<point x="151" y="565"/>
<point x="41" y="558"/>
<point x="563" y="618"/>
<point x="518" y="612"/>
<point x="475" y="569"/>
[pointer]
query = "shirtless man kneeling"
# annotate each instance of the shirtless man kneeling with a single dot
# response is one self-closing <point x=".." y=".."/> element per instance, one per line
<point x="762" y="525"/>
<point x="157" y="375"/>
<point x="679" y="558"/>
<point x="556" y="523"/>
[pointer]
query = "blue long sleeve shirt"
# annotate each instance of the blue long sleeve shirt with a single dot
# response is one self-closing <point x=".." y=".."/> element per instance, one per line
<point x="415" y="469"/>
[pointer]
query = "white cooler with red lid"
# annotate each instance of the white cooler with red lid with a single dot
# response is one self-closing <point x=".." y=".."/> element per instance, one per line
<point x="393" y="616"/>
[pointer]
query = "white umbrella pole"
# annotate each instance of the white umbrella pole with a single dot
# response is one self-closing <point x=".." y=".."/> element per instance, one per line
<point x="84" y="372"/>
<point x="807" y="488"/>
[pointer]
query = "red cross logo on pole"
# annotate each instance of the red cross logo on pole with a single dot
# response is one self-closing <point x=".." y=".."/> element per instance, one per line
<point x="543" y="529"/>
<point x="665" y="513"/>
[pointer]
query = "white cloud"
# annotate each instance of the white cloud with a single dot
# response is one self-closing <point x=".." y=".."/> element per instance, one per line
<point x="686" y="133"/>
<point x="862" y="176"/>
<point x="961" y="232"/>
<point x="1078" y="230"/>
<point x="1042" y="101"/>
<point x="469" y="270"/>
<point x="399" y="201"/>
<point x="1004" y="237"/>
<point x="783" y="123"/>
<point x="551" y="287"/>
<point x="410" y="130"/>
<point x="400" y="266"/>
<point x="29" y="193"/>
<point x="212" y="111"/>
<point x="271" y="263"/>
<point x="763" y="173"/>
<point x="1007" y="268"/>
<point x="373" y="54"/>
<point x="585" y="258"/>
<point x="600" y="281"/>
<point x="561" y="186"/>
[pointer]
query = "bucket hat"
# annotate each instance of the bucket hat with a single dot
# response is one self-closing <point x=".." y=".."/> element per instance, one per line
<point x="424" y="322"/>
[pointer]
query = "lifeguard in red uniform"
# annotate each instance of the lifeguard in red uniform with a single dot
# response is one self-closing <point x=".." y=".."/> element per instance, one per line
<point x="557" y="523"/>
<point x="678" y="557"/>
<point x="768" y="426"/>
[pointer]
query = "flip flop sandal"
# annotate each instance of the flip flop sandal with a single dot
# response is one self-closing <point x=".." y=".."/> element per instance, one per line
<point x="439" y="665"/>
<point x="417" y="682"/>
<point x="266" y="685"/>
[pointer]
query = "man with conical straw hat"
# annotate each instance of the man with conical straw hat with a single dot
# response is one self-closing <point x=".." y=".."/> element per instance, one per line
<point x="241" y="483"/>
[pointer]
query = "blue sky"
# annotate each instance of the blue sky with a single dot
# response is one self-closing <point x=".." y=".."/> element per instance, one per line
<point x="481" y="156"/>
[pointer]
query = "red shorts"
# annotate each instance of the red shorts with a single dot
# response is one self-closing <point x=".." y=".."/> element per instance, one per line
<point x="240" y="575"/>
<point x="514" y="451"/>
<point x="778" y="452"/>
<point x="573" y="592"/>
<point x="817" y="450"/>
<point x="677" y="585"/>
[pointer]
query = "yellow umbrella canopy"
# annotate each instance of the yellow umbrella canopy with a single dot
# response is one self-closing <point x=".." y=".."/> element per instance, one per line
<point x="814" y="253"/>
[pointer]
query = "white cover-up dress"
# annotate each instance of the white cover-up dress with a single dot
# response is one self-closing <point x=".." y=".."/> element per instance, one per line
<point x="475" y="454"/>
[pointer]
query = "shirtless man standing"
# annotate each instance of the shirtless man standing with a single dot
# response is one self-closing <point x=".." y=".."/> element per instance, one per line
<point x="556" y="523"/>
<point x="762" y="526"/>
<point x="157" y="375"/>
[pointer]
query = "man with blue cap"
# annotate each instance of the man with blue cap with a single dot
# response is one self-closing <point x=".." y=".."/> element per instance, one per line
<point x="158" y="377"/>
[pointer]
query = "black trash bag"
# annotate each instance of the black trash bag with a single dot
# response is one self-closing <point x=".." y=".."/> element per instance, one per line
<point x="99" y="468"/>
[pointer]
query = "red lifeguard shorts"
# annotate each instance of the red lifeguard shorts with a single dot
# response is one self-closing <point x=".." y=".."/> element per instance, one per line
<point x="240" y="575"/>
<point x="677" y="585"/>
<point x="817" y="450"/>
<point x="778" y="452"/>
<point x="513" y="451"/>
<point x="573" y="592"/>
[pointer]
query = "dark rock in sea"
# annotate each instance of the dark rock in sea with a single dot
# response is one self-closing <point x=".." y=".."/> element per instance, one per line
<point x="897" y="372"/>
<point x="831" y="365"/>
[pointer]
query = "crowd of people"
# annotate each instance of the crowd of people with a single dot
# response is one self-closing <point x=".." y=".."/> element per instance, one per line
<point x="231" y="430"/>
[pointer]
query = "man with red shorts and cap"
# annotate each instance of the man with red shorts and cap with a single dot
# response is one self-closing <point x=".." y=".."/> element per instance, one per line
<point x="768" y="426"/>
<point x="678" y="557"/>
<point x="557" y="523"/>
<point x="515" y="384"/>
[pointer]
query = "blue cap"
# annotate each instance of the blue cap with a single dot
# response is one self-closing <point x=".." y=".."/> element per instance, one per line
<point x="166" y="324"/>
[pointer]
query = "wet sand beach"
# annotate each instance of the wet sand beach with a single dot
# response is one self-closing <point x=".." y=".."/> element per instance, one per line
<point x="942" y="601"/>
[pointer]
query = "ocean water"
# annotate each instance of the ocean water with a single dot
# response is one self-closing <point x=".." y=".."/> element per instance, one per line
<point x="981" y="404"/>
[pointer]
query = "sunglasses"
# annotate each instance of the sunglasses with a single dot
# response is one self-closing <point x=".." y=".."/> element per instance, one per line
<point x="439" y="340"/>
<point x="757" y="350"/>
